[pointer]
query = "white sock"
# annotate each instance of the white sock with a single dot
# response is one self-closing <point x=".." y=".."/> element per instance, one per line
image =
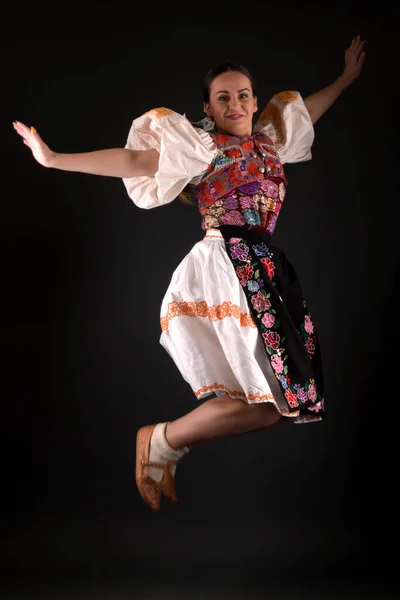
<point x="162" y="452"/>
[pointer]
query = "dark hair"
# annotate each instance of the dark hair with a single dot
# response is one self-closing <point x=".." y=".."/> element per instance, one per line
<point x="186" y="196"/>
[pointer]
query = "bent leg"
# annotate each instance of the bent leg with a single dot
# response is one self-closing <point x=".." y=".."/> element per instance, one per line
<point x="220" y="417"/>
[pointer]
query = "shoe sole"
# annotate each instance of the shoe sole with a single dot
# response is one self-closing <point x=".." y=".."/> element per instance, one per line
<point x="143" y="438"/>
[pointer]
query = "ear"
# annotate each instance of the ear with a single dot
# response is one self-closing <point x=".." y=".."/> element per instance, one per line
<point x="206" y="108"/>
<point x="255" y="104"/>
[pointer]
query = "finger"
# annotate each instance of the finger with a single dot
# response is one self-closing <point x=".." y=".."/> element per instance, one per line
<point x="20" y="125"/>
<point x="359" y="43"/>
<point x="355" y="42"/>
<point x="19" y="131"/>
<point x="27" y="133"/>
<point x="358" y="50"/>
<point x="22" y="135"/>
<point x="24" y="130"/>
<point x="21" y="128"/>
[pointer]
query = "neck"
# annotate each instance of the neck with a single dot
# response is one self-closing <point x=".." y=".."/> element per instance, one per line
<point x="247" y="133"/>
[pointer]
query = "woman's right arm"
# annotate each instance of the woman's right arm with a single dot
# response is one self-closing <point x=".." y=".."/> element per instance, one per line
<point x="112" y="162"/>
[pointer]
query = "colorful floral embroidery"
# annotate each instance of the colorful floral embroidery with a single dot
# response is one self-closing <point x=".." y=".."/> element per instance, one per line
<point x="239" y="161"/>
<point x="248" y="205"/>
<point x="245" y="184"/>
<point x="246" y="260"/>
<point x="217" y="312"/>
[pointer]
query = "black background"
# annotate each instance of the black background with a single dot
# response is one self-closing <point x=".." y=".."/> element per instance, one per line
<point x="306" y="510"/>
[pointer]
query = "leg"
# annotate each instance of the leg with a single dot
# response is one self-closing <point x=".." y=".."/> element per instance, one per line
<point x="220" y="417"/>
<point x="160" y="447"/>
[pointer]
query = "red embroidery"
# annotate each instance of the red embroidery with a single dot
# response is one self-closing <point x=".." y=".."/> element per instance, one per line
<point x="239" y="161"/>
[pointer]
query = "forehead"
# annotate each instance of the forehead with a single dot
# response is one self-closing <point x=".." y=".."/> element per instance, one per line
<point x="231" y="81"/>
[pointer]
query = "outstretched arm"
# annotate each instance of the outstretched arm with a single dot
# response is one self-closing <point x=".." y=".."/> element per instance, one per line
<point x="113" y="162"/>
<point x="319" y="102"/>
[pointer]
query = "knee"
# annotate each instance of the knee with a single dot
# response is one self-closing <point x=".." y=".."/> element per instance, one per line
<point x="270" y="414"/>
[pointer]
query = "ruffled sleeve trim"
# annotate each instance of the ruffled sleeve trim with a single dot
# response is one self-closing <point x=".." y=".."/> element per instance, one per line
<point x="206" y="139"/>
<point x="287" y="122"/>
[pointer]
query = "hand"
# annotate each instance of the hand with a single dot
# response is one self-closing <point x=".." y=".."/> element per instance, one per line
<point x="32" y="139"/>
<point x="353" y="60"/>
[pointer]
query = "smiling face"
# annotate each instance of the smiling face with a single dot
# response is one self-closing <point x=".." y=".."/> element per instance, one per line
<point x="232" y="104"/>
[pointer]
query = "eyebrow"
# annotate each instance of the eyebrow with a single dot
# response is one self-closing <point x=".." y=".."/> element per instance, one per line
<point x="225" y="92"/>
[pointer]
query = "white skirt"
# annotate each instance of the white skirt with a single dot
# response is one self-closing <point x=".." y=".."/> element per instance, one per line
<point x="208" y="330"/>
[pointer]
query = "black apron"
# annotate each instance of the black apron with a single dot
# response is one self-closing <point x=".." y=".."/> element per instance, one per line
<point x="280" y="312"/>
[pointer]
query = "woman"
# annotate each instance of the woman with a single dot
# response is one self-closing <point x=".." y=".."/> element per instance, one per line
<point x="233" y="318"/>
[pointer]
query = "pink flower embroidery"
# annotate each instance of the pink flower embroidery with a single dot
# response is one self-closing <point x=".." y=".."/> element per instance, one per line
<point x="259" y="301"/>
<point x="270" y="188"/>
<point x="277" y="363"/>
<point x="309" y="345"/>
<point x="239" y="251"/>
<point x="268" y="320"/>
<point x="233" y="217"/>
<point x="308" y="326"/>
<point x="245" y="202"/>
<point x="317" y="407"/>
<point x="312" y="394"/>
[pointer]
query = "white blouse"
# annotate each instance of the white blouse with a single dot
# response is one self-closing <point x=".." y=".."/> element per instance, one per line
<point x="187" y="151"/>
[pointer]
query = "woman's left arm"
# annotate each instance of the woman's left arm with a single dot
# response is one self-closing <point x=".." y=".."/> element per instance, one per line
<point x="319" y="102"/>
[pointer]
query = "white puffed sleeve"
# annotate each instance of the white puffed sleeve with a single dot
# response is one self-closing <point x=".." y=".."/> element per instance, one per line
<point x="287" y="122"/>
<point x="185" y="154"/>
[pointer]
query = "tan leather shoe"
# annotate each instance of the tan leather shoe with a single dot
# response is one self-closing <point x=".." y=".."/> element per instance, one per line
<point x="149" y="489"/>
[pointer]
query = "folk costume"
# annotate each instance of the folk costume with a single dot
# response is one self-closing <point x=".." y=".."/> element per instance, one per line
<point x="233" y="318"/>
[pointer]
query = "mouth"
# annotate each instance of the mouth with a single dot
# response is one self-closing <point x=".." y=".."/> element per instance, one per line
<point x="236" y="117"/>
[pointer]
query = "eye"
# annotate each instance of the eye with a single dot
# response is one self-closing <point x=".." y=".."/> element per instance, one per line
<point x="244" y="95"/>
<point x="222" y="98"/>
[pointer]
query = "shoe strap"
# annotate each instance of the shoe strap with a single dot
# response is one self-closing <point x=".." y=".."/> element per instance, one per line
<point x="158" y="465"/>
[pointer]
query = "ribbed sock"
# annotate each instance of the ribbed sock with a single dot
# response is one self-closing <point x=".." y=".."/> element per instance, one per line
<point x="162" y="452"/>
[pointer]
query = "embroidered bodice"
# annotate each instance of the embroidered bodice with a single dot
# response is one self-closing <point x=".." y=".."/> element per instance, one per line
<point x="244" y="185"/>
